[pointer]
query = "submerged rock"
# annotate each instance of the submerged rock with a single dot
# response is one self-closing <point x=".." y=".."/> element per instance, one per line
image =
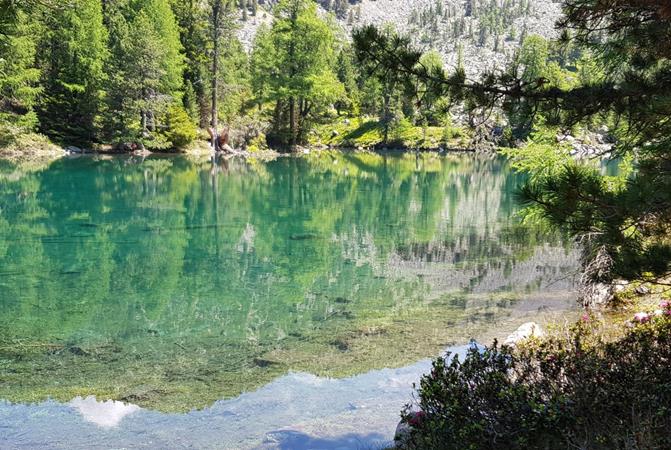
<point x="524" y="332"/>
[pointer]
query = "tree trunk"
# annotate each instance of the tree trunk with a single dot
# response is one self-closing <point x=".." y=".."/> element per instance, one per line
<point x="216" y="35"/>
<point x="292" y="121"/>
<point x="386" y="118"/>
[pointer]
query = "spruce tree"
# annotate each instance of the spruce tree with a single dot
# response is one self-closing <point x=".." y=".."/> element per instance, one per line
<point x="147" y="66"/>
<point x="18" y="72"/>
<point x="192" y="19"/>
<point x="73" y="54"/>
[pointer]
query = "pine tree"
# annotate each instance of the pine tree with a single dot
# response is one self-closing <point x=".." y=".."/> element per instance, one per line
<point x="73" y="52"/>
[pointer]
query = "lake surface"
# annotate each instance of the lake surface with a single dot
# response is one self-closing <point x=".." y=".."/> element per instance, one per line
<point x="169" y="284"/>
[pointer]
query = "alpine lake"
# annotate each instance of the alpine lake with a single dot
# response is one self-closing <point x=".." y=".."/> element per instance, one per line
<point x="172" y="283"/>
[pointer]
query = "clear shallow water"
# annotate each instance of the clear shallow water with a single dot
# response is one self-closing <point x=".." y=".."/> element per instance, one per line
<point x="169" y="283"/>
<point x="295" y="412"/>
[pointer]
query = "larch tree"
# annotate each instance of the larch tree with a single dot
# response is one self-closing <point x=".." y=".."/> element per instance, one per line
<point x="293" y="67"/>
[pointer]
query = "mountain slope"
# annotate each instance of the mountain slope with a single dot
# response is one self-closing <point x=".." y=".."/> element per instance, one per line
<point x="485" y="32"/>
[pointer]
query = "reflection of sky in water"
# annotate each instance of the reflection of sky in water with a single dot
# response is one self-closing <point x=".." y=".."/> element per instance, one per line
<point x="106" y="414"/>
<point x="297" y="411"/>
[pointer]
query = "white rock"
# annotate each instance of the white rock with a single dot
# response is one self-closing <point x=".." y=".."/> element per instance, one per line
<point x="525" y="331"/>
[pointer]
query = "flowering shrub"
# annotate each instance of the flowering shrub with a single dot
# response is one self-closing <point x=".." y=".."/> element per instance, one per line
<point x="573" y="392"/>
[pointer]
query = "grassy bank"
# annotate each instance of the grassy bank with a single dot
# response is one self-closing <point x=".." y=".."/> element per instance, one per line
<point x="16" y="144"/>
<point x="368" y="133"/>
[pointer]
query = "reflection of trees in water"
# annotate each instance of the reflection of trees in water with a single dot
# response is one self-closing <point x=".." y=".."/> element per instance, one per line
<point x="167" y="247"/>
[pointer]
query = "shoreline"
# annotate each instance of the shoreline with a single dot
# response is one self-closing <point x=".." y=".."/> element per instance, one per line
<point x="50" y="151"/>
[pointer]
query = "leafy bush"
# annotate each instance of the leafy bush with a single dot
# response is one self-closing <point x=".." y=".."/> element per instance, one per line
<point x="571" y="392"/>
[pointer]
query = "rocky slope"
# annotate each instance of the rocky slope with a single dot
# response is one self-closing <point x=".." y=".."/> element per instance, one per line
<point x="483" y="33"/>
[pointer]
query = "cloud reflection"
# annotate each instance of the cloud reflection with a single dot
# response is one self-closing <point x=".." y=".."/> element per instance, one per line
<point x="104" y="414"/>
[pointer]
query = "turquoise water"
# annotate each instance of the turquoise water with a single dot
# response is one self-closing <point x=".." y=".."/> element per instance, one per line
<point x="171" y="283"/>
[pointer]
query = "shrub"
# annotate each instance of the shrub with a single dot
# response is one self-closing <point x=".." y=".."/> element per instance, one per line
<point x="571" y="392"/>
<point x="180" y="131"/>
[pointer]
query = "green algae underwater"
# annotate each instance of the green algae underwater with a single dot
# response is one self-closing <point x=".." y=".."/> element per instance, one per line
<point x="171" y="283"/>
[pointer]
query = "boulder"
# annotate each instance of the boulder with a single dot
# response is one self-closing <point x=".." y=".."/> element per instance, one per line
<point x="524" y="332"/>
<point x="597" y="294"/>
<point x="73" y="149"/>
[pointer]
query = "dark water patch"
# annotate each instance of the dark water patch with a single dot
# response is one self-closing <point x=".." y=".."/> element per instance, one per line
<point x="303" y="237"/>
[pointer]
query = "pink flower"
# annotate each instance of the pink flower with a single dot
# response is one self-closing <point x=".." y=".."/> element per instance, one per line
<point x="668" y="312"/>
<point x="641" y="317"/>
<point x="585" y="317"/>
<point x="665" y="305"/>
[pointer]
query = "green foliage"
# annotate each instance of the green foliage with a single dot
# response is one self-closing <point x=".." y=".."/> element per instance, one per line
<point x="146" y="67"/>
<point x="349" y="76"/>
<point x="450" y="132"/>
<point x="235" y="80"/>
<point x="73" y="52"/>
<point x="180" y="129"/>
<point x="542" y="157"/>
<point x="293" y="67"/>
<point x="571" y="392"/>
<point x="18" y="73"/>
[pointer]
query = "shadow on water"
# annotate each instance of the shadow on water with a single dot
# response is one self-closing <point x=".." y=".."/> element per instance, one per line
<point x="294" y="440"/>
